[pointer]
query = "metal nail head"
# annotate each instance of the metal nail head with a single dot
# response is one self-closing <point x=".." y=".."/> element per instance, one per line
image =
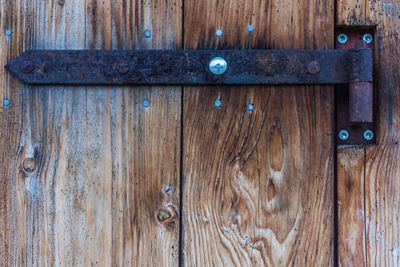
<point x="218" y="65"/>
<point x="250" y="107"/>
<point x="218" y="103"/>
<point x="344" y="135"/>
<point x="314" y="67"/>
<point x="368" y="135"/>
<point x="26" y="66"/>
<point x="367" y="38"/>
<point x="146" y="103"/>
<point x="147" y="33"/>
<point x="8" y="32"/>
<point x="123" y="68"/>
<point x="342" y="38"/>
<point x="250" y="28"/>
<point x="218" y="32"/>
<point x="6" y="102"/>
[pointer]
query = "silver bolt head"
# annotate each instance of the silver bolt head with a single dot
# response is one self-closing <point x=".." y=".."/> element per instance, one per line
<point x="367" y="38"/>
<point x="368" y="135"/>
<point x="250" y="107"/>
<point x="250" y="28"/>
<point x="218" y="32"/>
<point x="218" y="103"/>
<point x="147" y="33"/>
<point x="218" y="65"/>
<point x="343" y="135"/>
<point x="342" y="38"/>
<point x="8" y="32"/>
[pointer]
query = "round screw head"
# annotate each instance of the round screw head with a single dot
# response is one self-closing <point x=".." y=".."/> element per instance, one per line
<point x="6" y="102"/>
<point x="314" y="67"/>
<point x="123" y="67"/>
<point x="342" y="38"/>
<point x="29" y="165"/>
<point x="146" y="103"/>
<point x="250" y="28"/>
<point x="147" y="33"/>
<point x="218" y="65"/>
<point x="343" y="135"/>
<point x="8" y="32"/>
<point x="250" y="107"/>
<point x="367" y="38"/>
<point x="26" y="66"/>
<point x="218" y="32"/>
<point x="368" y="135"/>
<point x="218" y="103"/>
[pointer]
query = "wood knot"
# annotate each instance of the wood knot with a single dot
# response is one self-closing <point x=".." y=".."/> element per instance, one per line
<point x="166" y="216"/>
<point x="29" y="165"/>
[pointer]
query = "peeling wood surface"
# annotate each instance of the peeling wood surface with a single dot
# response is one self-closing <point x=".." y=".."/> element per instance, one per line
<point x="378" y="179"/>
<point x="105" y="165"/>
<point x="258" y="186"/>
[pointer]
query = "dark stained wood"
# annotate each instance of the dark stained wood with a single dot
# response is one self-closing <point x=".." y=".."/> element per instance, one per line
<point x="380" y="220"/>
<point x="105" y="165"/>
<point x="258" y="186"/>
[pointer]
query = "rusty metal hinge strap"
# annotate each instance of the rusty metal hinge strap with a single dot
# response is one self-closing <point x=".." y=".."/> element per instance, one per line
<point x="191" y="67"/>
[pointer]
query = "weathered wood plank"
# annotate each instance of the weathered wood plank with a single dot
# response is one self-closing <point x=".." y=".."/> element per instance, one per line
<point x="351" y="209"/>
<point x="258" y="185"/>
<point x="381" y="217"/>
<point x="105" y="164"/>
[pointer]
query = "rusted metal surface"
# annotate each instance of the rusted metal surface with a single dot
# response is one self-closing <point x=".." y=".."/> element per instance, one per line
<point x="360" y="102"/>
<point x="185" y="67"/>
<point x="355" y="101"/>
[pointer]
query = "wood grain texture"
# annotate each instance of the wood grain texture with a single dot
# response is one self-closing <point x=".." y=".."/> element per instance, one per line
<point x="105" y="165"/>
<point x="381" y="219"/>
<point x="258" y="186"/>
<point x="351" y="206"/>
<point x="357" y="12"/>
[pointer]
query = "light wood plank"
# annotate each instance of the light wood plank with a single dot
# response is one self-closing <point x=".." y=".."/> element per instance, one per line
<point x="381" y="219"/>
<point x="351" y="206"/>
<point x="258" y="188"/>
<point x="105" y="165"/>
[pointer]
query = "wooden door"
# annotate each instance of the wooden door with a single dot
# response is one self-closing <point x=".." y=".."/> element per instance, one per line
<point x="193" y="176"/>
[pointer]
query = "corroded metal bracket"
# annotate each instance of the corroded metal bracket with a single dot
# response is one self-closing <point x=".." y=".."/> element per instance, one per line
<point x="191" y="67"/>
<point x="351" y="67"/>
<point x="355" y="101"/>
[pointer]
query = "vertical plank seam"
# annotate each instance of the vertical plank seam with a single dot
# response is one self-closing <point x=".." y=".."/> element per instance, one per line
<point x="181" y="185"/>
<point x="181" y="179"/>
<point x="335" y="160"/>
<point x="335" y="195"/>
<point x="365" y="206"/>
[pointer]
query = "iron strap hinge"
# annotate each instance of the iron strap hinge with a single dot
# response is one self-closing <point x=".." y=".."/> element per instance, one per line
<point x="193" y="67"/>
<point x="350" y="67"/>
